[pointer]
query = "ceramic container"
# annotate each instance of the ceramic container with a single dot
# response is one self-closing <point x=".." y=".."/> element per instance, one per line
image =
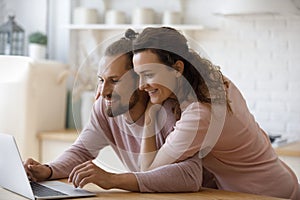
<point x="115" y="17"/>
<point x="143" y="16"/>
<point x="84" y="15"/>
<point x="171" y="17"/>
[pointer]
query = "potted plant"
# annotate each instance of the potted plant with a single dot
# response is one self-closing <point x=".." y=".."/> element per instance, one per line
<point x="37" y="45"/>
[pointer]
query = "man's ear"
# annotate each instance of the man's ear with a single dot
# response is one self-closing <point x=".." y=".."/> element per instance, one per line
<point x="179" y="67"/>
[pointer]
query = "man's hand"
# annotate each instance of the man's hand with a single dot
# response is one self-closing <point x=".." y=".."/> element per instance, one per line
<point x="88" y="172"/>
<point x="36" y="171"/>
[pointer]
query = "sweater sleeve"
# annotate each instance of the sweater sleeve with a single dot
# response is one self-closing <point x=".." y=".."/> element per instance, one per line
<point x="87" y="146"/>
<point x="188" y="136"/>
<point x="185" y="176"/>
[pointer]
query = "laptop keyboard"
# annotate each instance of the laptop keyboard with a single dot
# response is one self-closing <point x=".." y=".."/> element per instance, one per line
<point x="43" y="191"/>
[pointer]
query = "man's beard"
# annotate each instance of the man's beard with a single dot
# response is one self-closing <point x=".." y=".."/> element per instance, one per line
<point x="121" y="109"/>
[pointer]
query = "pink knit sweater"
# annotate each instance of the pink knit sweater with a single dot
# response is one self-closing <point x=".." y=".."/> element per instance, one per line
<point x="240" y="157"/>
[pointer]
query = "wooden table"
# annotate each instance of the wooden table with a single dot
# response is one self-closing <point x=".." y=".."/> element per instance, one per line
<point x="115" y="194"/>
<point x="291" y="149"/>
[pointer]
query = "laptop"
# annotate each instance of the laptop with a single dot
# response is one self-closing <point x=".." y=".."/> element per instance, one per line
<point x="13" y="176"/>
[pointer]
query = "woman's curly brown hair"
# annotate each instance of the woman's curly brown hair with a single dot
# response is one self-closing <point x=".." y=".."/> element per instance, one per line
<point x="170" y="46"/>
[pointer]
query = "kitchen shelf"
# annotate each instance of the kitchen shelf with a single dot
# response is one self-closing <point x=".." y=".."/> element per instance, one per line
<point x="249" y="14"/>
<point x="134" y="26"/>
<point x="77" y="31"/>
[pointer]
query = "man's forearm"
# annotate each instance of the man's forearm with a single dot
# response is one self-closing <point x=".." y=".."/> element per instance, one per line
<point x="126" y="181"/>
<point x="63" y="165"/>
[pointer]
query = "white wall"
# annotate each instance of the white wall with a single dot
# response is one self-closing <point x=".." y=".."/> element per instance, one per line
<point x="261" y="55"/>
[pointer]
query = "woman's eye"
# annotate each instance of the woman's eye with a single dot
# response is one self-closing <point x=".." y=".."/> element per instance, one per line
<point x="148" y="75"/>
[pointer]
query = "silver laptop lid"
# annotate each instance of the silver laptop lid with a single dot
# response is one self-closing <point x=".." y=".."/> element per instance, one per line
<point x="12" y="173"/>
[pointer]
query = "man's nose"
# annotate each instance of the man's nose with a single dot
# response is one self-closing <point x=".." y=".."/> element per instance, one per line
<point x="98" y="93"/>
<point x="105" y="89"/>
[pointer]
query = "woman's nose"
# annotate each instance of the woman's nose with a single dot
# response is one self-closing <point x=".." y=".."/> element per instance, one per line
<point x="142" y="84"/>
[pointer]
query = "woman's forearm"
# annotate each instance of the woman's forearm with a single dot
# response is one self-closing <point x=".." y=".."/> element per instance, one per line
<point x="148" y="147"/>
<point x="148" y="143"/>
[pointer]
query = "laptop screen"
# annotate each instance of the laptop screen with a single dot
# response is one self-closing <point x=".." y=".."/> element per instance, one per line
<point x="14" y="177"/>
<point x="12" y="172"/>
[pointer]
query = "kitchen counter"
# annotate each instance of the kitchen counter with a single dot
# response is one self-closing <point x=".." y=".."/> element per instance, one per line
<point x="290" y="154"/>
<point x="291" y="149"/>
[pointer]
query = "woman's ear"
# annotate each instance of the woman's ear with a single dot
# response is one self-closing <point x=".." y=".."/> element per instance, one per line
<point x="179" y="67"/>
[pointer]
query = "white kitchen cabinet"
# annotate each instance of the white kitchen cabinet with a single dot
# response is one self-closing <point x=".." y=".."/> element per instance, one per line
<point x="53" y="143"/>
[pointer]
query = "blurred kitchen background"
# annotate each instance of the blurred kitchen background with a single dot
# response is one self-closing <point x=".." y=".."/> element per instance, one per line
<point x="255" y="42"/>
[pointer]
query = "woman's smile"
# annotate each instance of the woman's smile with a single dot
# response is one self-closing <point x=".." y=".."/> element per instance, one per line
<point x="152" y="92"/>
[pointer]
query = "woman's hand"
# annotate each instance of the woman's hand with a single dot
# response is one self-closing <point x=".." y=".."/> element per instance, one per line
<point x="151" y="114"/>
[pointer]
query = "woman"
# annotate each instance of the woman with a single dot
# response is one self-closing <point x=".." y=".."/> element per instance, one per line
<point x="212" y="119"/>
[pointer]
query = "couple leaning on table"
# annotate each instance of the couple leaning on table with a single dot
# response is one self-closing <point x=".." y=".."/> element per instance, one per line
<point x="174" y="121"/>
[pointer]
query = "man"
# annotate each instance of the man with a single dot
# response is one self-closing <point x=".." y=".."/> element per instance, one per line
<point x="117" y="120"/>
